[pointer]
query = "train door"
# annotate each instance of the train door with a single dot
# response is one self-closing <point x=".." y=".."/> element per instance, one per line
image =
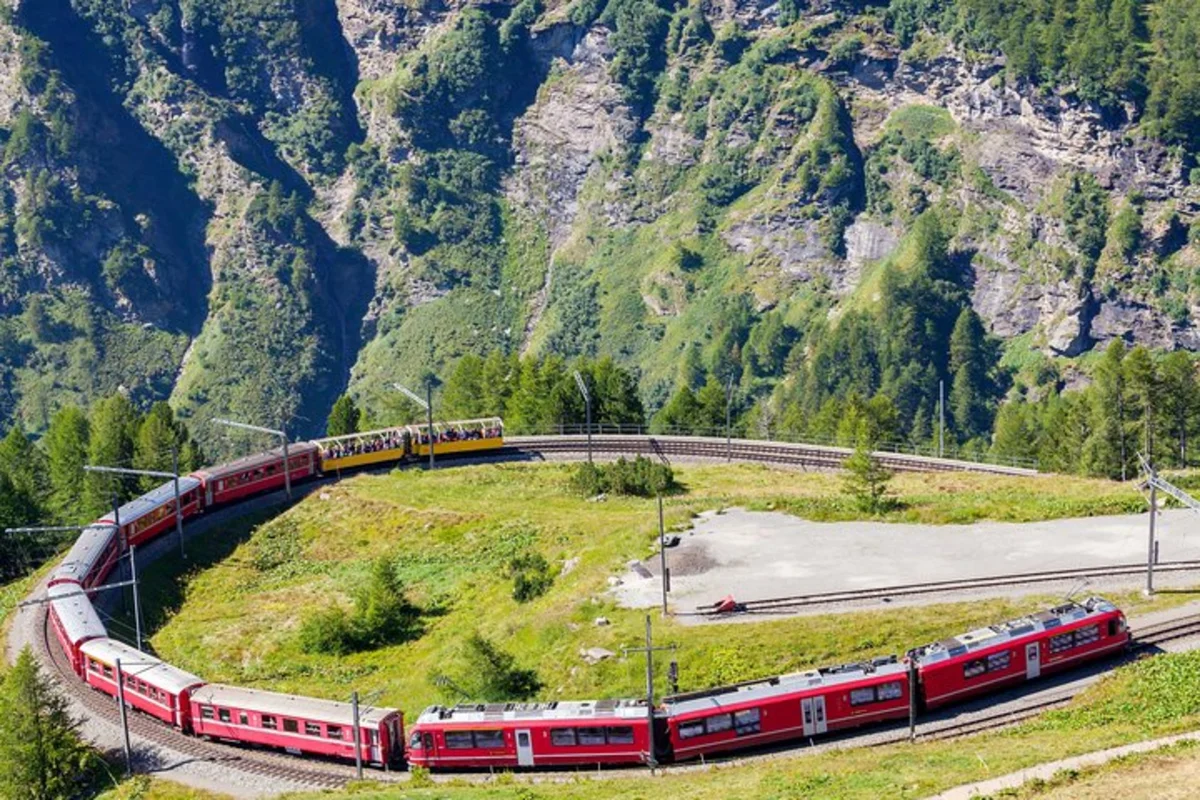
<point x="524" y="749"/>
<point x="1033" y="660"/>
<point x="812" y="709"/>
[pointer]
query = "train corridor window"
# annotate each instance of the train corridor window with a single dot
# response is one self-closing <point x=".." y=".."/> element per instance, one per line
<point x="747" y="722"/>
<point x="719" y="723"/>
<point x="291" y="726"/>
<point x="333" y="731"/>
<point x="562" y="737"/>
<point x="108" y="671"/>
<point x="860" y="697"/>
<point x="893" y="690"/>
<point x="459" y="740"/>
<point x="268" y="722"/>
<point x="489" y="739"/>
<point x="688" y="730"/>
<point x="243" y="718"/>
<point x="1062" y="642"/>
<point x="999" y="661"/>
<point x="974" y="668"/>
<point x="93" y="666"/>
<point x="590" y="736"/>
<point x="312" y="729"/>
<point x="224" y="715"/>
<point x="1087" y="635"/>
<point x="206" y="712"/>
<point x="621" y="735"/>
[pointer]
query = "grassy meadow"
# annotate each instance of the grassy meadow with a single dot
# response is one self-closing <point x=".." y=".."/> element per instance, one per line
<point x="235" y="615"/>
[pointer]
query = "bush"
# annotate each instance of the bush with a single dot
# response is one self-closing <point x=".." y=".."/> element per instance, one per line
<point x="382" y="616"/>
<point x="640" y="477"/>
<point x="490" y="674"/>
<point x="531" y="576"/>
<point x="328" y="632"/>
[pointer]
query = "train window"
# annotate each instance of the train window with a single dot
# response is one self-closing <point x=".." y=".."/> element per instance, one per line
<point x="974" y="668"/>
<point x="291" y="726"/>
<point x="268" y="722"/>
<point x="489" y="739"/>
<point x="860" y="697"/>
<point x="892" y="690"/>
<point x="999" y="661"/>
<point x="1061" y="642"/>
<point x="621" y="735"/>
<point x="688" y="730"/>
<point x="243" y="718"/>
<point x="459" y="740"/>
<point x="562" y="737"/>
<point x="224" y="715"/>
<point x="93" y="666"/>
<point x="719" y="723"/>
<point x="588" y="736"/>
<point x="414" y="742"/>
<point x="108" y="671"/>
<point x="206" y="712"/>
<point x="333" y="731"/>
<point x="1087" y="635"/>
<point x="312" y="729"/>
<point x="747" y="722"/>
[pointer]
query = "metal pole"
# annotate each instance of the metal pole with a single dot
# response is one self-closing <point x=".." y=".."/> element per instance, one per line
<point x="429" y="416"/>
<point x="287" y="467"/>
<point x="587" y="402"/>
<point x="651" y="760"/>
<point x="1150" y="547"/>
<point x="357" y="737"/>
<point x="178" y="505"/>
<point x="941" y="417"/>
<point x="124" y="718"/>
<point x="137" y="607"/>
<point x="912" y="700"/>
<point x="728" y="418"/>
<point x="662" y="551"/>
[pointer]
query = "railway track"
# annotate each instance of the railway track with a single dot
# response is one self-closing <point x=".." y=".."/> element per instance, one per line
<point x="773" y="605"/>
<point x="744" y="450"/>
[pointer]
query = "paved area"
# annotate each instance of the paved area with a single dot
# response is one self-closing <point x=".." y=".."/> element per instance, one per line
<point x="757" y="555"/>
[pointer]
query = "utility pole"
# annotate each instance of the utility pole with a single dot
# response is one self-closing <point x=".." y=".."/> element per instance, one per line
<point x="651" y="758"/>
<point x="427" y="404"/>
<point x="137" y="606"/>
<point x="124" y="718"/>
<point x="1151" y="545"/>
<point x="728" y="419"/>
<point x="587" y="402"/>
<point x="280" y="432"/>
<point x="662" y="553"/>
<point x="941" y="417"/>
<point x="172" y="476"/>
<point x="357" y="737"/>
<point x="913" y="678"/>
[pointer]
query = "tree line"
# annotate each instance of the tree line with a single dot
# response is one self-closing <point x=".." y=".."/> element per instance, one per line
<point x="43" y="481"/>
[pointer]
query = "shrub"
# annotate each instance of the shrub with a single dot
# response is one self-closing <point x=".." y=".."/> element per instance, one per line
<point x="531" y="576"/>
<point x="382" y="616"/>
<point x="640" y="477"/>
<point x="491" y="674"/>
<point x="328" y="632"/>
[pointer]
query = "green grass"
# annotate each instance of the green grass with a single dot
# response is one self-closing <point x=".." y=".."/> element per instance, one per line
<point x="235" y="615"/>
<point x="921" y="122"/>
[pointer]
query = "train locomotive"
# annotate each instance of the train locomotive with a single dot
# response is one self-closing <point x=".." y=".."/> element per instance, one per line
<point x="522" y="735"/>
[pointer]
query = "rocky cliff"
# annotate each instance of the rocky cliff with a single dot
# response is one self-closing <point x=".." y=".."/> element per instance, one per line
<point x="249" y="206"/>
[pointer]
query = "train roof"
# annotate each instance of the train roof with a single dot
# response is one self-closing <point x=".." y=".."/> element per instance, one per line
<point x="793" y="683"/>
<point x="491" y="713"/>
<point x="86" y="551"/>
<point x="139" y="507"/>
<point x="286" y="705"/>
<point x="75" y="612"/>
<point x="255" y="460"/>
<point x="141" y="665"/>
<point x="1013" y="629"/>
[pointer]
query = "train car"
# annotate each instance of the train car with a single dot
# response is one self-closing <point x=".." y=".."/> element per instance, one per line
<point x="91" y="558"/>
<point x="151" y="685"/>
<point x="298" y="725"/>
<point x="466" y="436"/>
<point x="990" y="659"/>
<point x="802" y="704"/>
<point x="145" y="517"/>
<point x="256" y="474"/>
<point x="363" y="449"/>
<point x="530" y="735"/>
<point x="74" y="620"/>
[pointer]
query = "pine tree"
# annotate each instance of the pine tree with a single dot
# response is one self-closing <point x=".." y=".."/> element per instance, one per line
<point x="16" y="553"/>
<point x="463" y="396"/>
<point x="1180" y="404"/>
<point x="681" y="414"/>
<point x="616" y="398"/>
<point x="66" y="444"/>
<point x="1141" y="390"/>
<point x="1015" y="436"/>
<point x="25" y="466"/>
<point x="1106" y="451"/>
<point x="41" y="757"/>
<point x="114" y="421"/>
<point x="866" y="481"/>
<point x="158" y="436"/>
<point x="343" y="417"/>
<point x="969" y="389"/>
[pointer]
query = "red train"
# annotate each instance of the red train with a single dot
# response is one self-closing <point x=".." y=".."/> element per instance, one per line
<point x="519" y="735"/>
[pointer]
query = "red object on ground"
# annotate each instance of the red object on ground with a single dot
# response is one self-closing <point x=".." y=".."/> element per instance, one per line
<point x="727" y="605"/>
